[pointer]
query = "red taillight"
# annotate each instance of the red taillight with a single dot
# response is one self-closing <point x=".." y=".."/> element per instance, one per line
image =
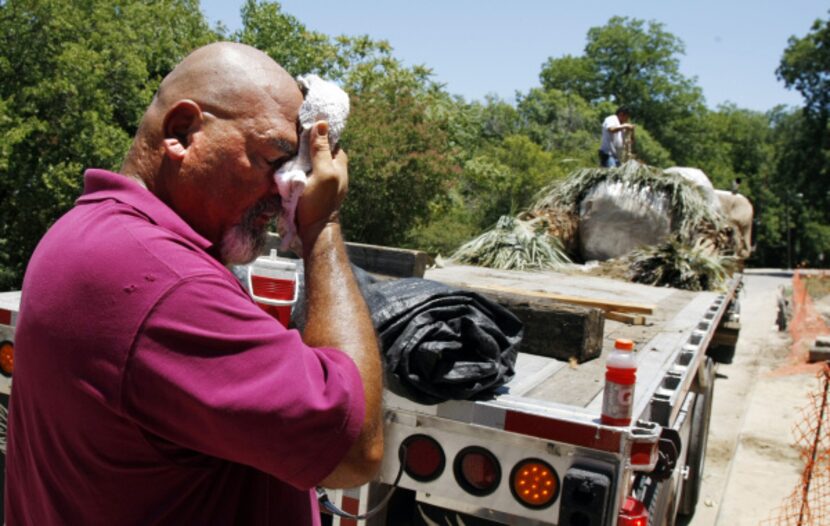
<point x="477" y="471"/>
<point x="7" y="358"/>
<point x="633" y="513"/>
<point x="534" y="483"/>
<point x="425" y="459"/>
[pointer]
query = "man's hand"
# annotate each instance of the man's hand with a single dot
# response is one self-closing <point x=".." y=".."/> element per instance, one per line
<point x="326" y="188"/>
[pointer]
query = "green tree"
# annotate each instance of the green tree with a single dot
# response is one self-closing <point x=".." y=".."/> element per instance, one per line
<point x="576" y="75"/>
<point x="400" y="154"/>
<point x="633" y="63"/>
<point x="285" y="39"/>
<point x="76" y="77"/>
<point x="802" y="143"/>
<point x="805" y="67"/>
<point x="560" y="122"/>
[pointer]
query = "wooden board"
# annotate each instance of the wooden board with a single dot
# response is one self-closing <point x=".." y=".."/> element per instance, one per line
<point x="396" y="262"/>
<point x="386" y="261"/>
<point x="554" y="329"/>
<point x="609" y="305"/>
<point x="571" y="284"/>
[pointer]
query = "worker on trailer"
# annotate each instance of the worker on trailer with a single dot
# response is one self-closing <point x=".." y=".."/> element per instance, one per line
<point x="613" y="143"/>
<point x="149" y="388"/>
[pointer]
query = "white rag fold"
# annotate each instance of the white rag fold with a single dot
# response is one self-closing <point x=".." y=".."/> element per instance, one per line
<point x="324" y="100"/>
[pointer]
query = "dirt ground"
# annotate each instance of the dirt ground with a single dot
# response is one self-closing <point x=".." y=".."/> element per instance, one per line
<point x="752" y="462"/>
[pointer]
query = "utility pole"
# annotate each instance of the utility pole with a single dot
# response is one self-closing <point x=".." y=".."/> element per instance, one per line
<point x="789" y="234"/>
<point x="787" y="204"/>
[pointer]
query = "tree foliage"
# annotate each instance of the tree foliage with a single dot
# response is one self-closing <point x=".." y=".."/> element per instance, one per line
<point x="285" y="39"/>
<point x="400" y="157"/>
<point x="636" y="64"/>
<point x="805" y="67"/>
<point x="76" y="79"/>
<point x="802" y="147"/>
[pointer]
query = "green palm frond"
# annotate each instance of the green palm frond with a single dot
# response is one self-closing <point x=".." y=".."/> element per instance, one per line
<point x="513" y="245"/>
<point x="679" y="265"/>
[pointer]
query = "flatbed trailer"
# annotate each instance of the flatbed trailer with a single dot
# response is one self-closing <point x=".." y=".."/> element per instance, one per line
<point x="548" y="417"/>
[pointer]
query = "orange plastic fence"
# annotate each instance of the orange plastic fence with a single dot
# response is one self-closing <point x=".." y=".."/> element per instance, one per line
<point x="807" y="322"/>
<point x="809" y="502"/>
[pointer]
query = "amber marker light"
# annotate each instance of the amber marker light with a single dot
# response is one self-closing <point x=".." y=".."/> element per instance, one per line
<point x="534" y="483"/>
<point x="7" y="358"/>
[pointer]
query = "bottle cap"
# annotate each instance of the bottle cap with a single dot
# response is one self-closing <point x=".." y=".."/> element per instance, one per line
<point x="624" y="344"/>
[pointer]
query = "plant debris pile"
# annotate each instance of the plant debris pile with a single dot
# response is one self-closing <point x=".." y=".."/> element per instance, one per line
<point x="514" y="244"/>
<point x="697" y="255"/>
<point x="691" y="213"/>
<point x="676" y="264"/>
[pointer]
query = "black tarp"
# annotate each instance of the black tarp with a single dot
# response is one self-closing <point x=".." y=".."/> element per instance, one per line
<point x="441" y="343"/>
<point x="438" y="343"/>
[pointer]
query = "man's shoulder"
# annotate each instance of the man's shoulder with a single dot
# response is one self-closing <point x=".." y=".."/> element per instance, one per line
<point x="612" y="121"/>
<point x="113" y="247"/>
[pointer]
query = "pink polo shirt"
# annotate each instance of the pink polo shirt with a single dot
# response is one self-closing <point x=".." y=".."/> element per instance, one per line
<point x="150" y="389"/>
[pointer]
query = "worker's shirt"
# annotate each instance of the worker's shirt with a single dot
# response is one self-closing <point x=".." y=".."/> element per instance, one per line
<point x="149" y="388"/>
<point x="612" y="142"/>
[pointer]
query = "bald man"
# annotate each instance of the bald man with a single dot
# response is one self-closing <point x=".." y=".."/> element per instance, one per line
<point x="149" y="388"/>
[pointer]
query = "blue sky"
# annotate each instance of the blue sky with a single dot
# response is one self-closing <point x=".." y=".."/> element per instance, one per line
<point x="480" y="47"/>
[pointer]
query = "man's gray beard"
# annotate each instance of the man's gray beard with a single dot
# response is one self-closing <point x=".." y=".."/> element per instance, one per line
<point x="243" y="242"/>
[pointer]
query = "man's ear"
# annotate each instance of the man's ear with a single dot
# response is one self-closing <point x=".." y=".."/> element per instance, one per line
<point x="180" y="122"/>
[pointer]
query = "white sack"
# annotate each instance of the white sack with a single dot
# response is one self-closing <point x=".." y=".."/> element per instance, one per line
<point x="616" y="218"/>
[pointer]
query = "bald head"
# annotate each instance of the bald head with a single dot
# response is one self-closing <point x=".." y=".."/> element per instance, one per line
<point x="225" y="78"/>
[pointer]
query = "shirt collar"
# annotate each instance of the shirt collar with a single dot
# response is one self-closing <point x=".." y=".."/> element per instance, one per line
<point x="100" y="185"/>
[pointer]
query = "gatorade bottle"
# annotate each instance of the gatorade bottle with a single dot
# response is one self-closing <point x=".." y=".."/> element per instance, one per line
<point x="620" y="377"/>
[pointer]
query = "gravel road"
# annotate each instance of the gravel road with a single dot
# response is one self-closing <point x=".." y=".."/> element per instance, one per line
<point x="752" y="463"/>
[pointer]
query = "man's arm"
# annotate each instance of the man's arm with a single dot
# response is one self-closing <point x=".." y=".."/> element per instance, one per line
<point x="337" y="315"/>
<point x="621" y="127"/>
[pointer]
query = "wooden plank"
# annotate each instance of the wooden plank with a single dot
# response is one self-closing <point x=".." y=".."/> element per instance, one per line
<point x="607" y="305"/>
<point x="389" y="261"/>
<point x="630" y="319"/>
<point x="554" y="329"/>
<point x="569" y="283"/>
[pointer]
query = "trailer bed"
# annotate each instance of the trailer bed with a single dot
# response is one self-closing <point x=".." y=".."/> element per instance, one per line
<point x="676" y="314"/>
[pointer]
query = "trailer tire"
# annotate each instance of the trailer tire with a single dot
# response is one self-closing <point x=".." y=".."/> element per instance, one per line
<point x="698" y="439"/>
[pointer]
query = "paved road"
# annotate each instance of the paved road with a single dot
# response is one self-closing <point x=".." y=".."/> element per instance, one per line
<point x="752" y="463"/>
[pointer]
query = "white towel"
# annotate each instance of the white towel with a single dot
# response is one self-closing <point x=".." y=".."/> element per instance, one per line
<point x="324" y="100"/>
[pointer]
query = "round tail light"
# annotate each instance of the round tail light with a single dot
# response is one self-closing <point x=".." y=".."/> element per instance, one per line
<point x="534" y="483"/>
<point x="477" y="471"/>
<point x="424" y="458"/>
<point x="7" y="358"/>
